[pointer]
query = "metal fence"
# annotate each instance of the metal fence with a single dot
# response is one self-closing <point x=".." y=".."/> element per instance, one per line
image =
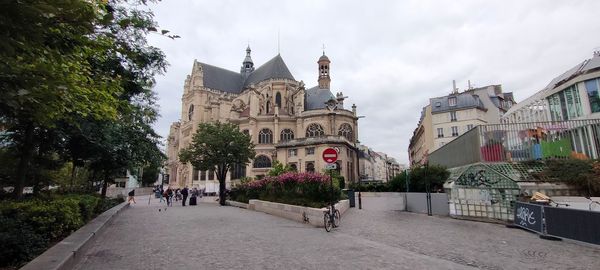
<point x="522" y="142"/>
<point x="580" y="225"/>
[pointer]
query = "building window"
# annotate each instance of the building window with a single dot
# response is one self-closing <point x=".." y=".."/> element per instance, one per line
<point x="286" y="135"/>
<point x="469" y="127"/>
<point x="265" y="136"/>
<point x="315" y="130"/>
<point x="592" y="87"/>
<point x="440" y="132"/>
<point x="310" y="151"/>
<point x="294" y="166"/>
<point x="268" y="107"/>
<point x="195" y="175"/>
<point x="452" y="101"/>
<point x="454" y="131"/>
<point x="202" y="175"/>
<point x="566" y="104"/>
<point x="262" y="162"/>
<point x="346" y="131"/>
<point x="310" y="167"/>
<point x="453" y="116"/>
<point x="211" y="175"/>
<point x="278" y="100"/>
<point x="238" y="171"/>
<point x="292" y="152"/>
<point x="191" y="112"/>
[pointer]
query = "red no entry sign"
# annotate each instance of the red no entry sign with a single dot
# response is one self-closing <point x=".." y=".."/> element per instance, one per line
<point x="330" y="155"/>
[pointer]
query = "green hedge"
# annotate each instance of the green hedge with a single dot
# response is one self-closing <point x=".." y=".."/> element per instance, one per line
<point x="306" y="189"/>
<point x="26" y="227"/>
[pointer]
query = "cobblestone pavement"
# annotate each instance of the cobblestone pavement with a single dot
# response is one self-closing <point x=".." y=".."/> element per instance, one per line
<point x="209" y="236"/>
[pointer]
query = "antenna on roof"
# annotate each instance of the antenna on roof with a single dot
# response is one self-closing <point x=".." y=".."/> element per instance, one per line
<point x="278" y="43"/>
<point x="323" y="48"/>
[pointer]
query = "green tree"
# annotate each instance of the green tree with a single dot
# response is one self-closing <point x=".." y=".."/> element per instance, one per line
<point x="398" y="183"/>
<point x="432" y="175"/>
<point x="218" y="146"/>
<point x="68" y="65"/>
<point x="278" y="168"/>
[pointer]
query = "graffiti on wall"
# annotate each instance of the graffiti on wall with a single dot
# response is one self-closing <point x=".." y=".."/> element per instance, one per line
<point x="476" y="179"/>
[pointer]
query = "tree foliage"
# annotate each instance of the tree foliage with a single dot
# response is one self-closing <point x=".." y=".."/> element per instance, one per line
<point x="76" y="77"/>
<point x="583" y="174"/>
<point x="278" y="168"/>
<point x="218" y="146"/>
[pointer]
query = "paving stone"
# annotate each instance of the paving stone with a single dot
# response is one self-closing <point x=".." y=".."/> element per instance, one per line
<point x="209" y="236"/>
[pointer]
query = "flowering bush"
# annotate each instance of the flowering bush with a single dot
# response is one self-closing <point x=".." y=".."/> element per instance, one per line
<point x="307" y="189"/>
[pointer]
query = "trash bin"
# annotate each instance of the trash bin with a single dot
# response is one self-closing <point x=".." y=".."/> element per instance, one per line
<point x="351" y="198"/>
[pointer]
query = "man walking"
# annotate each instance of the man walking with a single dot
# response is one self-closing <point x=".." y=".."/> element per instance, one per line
<point x="184" y="193"/>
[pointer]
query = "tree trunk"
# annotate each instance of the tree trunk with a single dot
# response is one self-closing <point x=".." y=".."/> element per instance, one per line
<point x="221" y="175"/>
<point x="104" y="186"/>
<point x="72" y="175"/>
<point x="26" y="153"/>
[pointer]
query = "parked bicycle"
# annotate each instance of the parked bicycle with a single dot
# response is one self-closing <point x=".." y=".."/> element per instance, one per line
<point x="594" y="205"/>
<point x="331" y="218"/>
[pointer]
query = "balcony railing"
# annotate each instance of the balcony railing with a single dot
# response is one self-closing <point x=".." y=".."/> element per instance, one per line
<point x="522" y="142"/>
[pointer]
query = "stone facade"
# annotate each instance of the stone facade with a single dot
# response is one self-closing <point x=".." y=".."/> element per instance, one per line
<point x="287" y="122"/>
<point x="447" y="117"/>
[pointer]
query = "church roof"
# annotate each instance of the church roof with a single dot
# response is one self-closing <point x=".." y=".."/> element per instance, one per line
<point x="272" y="69"/>
<point x="316" y="97"/>
<point x="222" y="79"/>
<point x="233" y="82"/>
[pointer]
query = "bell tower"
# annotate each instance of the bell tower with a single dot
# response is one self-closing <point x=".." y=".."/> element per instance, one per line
<point x="247" y="65"/>
<point x="324" y="79"/>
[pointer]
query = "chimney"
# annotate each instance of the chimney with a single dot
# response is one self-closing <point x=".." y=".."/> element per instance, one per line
<point x="454" y="89"/>
<point x="470" y="85"/>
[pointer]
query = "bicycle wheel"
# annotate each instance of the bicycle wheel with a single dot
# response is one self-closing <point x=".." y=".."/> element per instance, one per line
<point x="337" y="217"/>
<point x="327" y="221"/>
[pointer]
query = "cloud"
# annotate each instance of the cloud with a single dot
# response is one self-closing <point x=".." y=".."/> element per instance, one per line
<point x="389" y="57"/>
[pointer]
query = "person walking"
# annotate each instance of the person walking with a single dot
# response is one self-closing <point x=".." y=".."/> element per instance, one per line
<point x="169" y="196"/>
<point x="131" y="195"/>
<point x="161" y="191"/>
<point x="184" y="193"/>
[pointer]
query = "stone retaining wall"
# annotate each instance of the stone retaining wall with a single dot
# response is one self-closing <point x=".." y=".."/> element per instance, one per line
<point x="67" y="252"/>
<point x="313" y="216"/>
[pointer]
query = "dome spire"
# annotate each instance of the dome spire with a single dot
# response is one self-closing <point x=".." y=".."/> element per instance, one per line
<point x="247" y="65"/>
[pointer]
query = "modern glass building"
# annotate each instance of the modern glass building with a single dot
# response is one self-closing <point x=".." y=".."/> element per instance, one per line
<point x="570" y="96"/>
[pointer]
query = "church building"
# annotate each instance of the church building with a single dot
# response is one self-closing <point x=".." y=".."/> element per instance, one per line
<point x="287" y="121"/>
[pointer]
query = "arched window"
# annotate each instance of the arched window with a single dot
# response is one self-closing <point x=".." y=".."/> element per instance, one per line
<point x="278" y="100"/>
<point x="310" y="167"/>
<point x="262" y="162"/>
<point x="191" y="112"/>
<point x="265" y="136"/>
<point x="286" y="135"/>
<point x="315" y="130"/>
<point x="346" y="131"/>
<point x="294" y="167"/>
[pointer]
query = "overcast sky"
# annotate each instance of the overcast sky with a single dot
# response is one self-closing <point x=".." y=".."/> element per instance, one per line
<point x="388" y="57"/>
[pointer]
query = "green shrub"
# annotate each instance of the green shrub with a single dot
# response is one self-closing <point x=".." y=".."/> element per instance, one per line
<point x="26" y="227"/>
<point x="307" y="189"/>
<point x="19" y="242"/>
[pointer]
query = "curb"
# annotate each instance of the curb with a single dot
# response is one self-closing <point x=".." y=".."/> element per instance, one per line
<point x="64" y="255"/>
